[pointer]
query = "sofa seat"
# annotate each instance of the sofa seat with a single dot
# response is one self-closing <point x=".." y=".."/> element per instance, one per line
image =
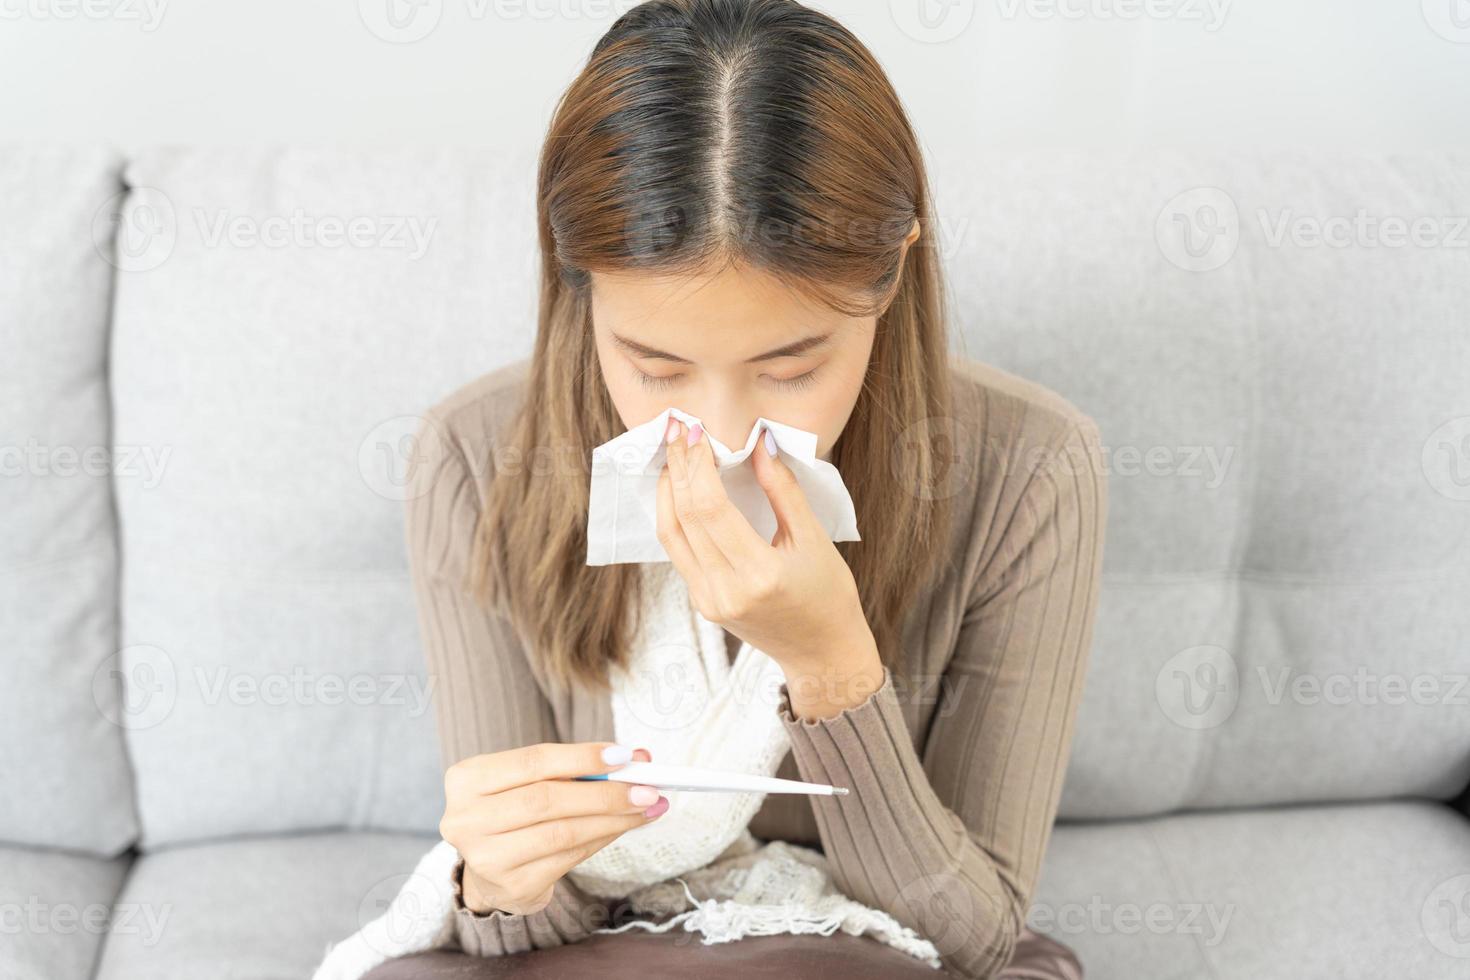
<point x="259" y="908"/>
<point x="1365" y="890"/>
<point x="54" y="910"/>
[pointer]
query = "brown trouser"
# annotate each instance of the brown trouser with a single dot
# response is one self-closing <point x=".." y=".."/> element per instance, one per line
<point x="636" y="955"/>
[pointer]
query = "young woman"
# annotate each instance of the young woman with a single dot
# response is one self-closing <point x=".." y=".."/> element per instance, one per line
<point x="735" y="221"/>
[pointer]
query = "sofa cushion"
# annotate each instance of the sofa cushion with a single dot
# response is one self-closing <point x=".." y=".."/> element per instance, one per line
<point x="54" y="912"/>
<point x="1274" y="348"/>
<point x="307" y="308"/>
<point x="1357" y="891"/>
<point x="261" y="908"/>
<point x="67" y="782"/>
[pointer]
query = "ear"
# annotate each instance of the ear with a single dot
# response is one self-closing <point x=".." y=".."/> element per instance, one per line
<point x="913" y="236"/>
<point x="903" y="259"/>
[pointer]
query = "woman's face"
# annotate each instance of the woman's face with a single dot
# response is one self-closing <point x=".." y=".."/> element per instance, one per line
<point x="728" y="349"/>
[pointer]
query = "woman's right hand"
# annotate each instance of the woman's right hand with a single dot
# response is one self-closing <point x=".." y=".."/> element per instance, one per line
<point x="520" y="821"/>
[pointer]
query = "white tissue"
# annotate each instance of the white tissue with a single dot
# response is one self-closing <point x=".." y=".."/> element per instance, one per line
<point x="622" y="519"/>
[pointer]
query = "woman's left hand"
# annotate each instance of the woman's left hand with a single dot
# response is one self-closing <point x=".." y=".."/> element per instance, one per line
<point x="794" y="599"/>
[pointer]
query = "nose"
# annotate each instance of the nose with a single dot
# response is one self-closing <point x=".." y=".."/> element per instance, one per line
<point x="732" y="433"/>
<point x="730" y="424"/>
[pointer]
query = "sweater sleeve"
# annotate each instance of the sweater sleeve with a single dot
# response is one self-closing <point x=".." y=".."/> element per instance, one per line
<point x="949" y="839"/>
<point x="486" y="698"/>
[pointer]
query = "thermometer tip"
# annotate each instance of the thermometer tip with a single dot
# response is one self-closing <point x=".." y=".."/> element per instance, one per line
<point x="839" y="790"/>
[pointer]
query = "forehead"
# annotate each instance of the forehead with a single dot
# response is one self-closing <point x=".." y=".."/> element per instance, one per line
<point x="735" y="308"/>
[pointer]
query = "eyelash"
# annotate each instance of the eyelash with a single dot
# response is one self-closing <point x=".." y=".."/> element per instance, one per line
<point x="798" y="383"/>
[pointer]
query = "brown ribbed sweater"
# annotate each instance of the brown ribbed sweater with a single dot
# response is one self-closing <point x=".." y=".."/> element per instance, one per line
<point x="955" y="764"/>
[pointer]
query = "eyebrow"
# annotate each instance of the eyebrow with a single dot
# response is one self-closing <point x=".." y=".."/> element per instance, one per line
<point x="789" y="350"/>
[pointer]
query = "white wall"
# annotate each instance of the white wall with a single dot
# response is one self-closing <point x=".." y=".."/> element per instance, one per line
<point x="1373" y="74"/>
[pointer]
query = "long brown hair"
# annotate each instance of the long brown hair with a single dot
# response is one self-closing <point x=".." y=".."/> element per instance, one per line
<point x="702" y="132"/>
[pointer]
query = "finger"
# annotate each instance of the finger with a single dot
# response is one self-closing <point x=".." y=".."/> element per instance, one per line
<point x="706" y="552"/>
<point x="717" y="531"/>
<point x="794" y="514"/>
<point x="569" y="858"/>
<point x="553" y="799"/>
<point x="496" y="772"/>
<point x="528" y="844"/>
<point x="675" y="542"/>
<point x="554" y="867"/>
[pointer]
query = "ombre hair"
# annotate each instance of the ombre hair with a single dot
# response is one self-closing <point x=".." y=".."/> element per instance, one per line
<point x="702" y="133"/>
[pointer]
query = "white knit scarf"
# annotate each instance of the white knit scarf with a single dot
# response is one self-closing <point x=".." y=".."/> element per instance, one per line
<point x="698" y="865"/>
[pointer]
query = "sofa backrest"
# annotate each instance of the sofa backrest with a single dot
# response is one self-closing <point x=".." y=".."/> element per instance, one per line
<point x="1277" y="351"/>
<point x="279" y="337"/>
<point x="1285" y="426"/>
<point x="64" y="777"/>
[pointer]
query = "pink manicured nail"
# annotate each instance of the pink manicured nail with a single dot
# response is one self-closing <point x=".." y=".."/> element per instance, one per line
<point x="770" y="440"/>
<point x="694" y="433"/>
<point x="657" y="810"/>
<point x="644" y="796"/>
<point x="673" y="431"/>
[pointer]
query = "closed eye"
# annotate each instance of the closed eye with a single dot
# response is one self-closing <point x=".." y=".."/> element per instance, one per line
<point x="653" y="382"/>
<point x="799" y="382"/>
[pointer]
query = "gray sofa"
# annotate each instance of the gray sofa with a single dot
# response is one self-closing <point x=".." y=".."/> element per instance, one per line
<point x="216" y="736"/>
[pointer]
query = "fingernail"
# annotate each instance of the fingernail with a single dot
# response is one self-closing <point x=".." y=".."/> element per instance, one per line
<point x="770" y="443"/>
<point x="642" y="755"/>
<point x="657" y="810"/>
<point x="673" y="430"/>
<point x="617" y="755"/>
<point x="644" y="796"/>
<point x="694" y="433"/>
